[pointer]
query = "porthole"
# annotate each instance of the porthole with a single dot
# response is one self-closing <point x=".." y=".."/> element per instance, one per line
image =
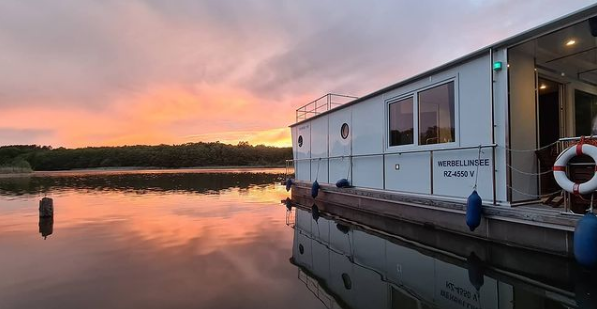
<point x="344" y="130"/>
<point x="300" y="141"/>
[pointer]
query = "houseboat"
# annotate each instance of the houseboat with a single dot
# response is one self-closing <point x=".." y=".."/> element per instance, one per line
<point x="493" y="122"/>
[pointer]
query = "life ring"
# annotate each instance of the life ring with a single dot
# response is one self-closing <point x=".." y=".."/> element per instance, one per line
<point x="559" y="169"/>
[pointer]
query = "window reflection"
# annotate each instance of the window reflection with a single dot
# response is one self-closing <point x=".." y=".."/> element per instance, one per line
<point x="436" y="115"/>
<point x="585" y="112"/>
<point x="401" y="122"/>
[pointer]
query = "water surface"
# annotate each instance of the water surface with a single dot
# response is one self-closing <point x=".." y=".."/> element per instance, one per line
<point x="223" y="239"/>
<point x="165" y="239"/>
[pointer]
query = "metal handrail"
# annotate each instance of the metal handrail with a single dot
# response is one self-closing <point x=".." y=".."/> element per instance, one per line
<point x="321" y="105"/>
<point x="391" y="153"/>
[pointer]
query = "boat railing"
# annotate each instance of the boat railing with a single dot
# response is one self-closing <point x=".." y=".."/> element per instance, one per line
<point x="290" y="168"/>
<point x="321" y="105"/>
<point x="565" y="142"/>
<point x="548" y="154"/>
<point x="290" y="162"/>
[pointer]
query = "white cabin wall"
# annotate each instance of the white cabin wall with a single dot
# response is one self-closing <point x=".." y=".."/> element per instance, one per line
<point x="340" y="148"/>
<point x="474" y="94"/>
<point x="474" y="129"/>
<point x="319" y="149"/>
<point x="523" y="121"/>
<point x="417" y="169"/>
<point x="408" y="172"/>
<point x="368" y="138"/>
<point x="303" y="163"/>
<point x="369" y="127"/>
<point x="367" y="172"/>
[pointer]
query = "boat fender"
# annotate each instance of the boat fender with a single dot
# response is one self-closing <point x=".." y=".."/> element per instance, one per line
<point x="559" y="169"/>
<point x="288" y="203"/>
<point x="288" y="184"/>
<point x="585" y="287"/>
<point x="476" y="271"/>
<point x="343" y="228"/>
<point x="473" y="210"/>
<point x="585" y="241"/>
<point x="315" y="212"/>
<point x="343" y="183"/>
<point x="315" y="189"/>
<point x="346" y="280"/>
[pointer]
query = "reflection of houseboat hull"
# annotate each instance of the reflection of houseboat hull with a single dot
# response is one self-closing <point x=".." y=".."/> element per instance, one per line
<point x="359" y="268"/>
<point x="554" y="269"/>
<point x="530" y="228"/>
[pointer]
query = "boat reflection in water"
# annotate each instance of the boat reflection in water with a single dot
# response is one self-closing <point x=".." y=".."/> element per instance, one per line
<point x="350" y="266"/>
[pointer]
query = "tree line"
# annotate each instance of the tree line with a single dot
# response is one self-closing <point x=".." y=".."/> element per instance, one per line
<point x="46" y="158"/>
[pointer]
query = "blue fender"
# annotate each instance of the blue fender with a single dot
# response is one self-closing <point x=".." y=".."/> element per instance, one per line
<point x="585" y="287"/>
<point x="473" y="210"/>
<point x="343" y="183"/>
<point x="315" y="212"/>
<point x="288" y="184"/>
<point x="476" y="270"/>
<point x="343" y="228"/>
<point x="585" y="241"/>
<point x="315" y="189"/>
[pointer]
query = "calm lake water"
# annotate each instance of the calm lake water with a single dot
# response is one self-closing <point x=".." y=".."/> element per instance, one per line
<point x="223" y="239"/>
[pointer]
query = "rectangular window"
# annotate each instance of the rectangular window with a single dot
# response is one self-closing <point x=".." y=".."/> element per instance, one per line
<point x="401" y="122"/>
<point x="585" y="105"/>
<point x="436" y="115"/>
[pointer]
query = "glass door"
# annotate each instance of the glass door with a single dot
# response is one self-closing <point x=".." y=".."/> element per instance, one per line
<point x="549" y="101"/>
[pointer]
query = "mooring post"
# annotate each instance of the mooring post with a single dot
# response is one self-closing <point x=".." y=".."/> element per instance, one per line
<point x="46" y="208"/>
<point x="46" y="227"/>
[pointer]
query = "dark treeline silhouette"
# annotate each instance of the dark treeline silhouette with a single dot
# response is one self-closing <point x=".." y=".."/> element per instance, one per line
<point x="138" y="182"/>
<point x="44" y="158"/>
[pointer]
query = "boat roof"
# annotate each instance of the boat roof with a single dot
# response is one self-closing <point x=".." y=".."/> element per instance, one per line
<point x="548" y="27"/>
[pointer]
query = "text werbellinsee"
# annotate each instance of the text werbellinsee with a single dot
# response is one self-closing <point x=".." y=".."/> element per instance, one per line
<point x="475" y="162"/>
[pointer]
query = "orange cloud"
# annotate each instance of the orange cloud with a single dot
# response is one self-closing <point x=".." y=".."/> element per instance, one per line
<point x="168" y="114"/>
<point x="273" y="137"/>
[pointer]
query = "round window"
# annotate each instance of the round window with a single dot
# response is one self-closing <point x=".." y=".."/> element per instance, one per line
<point x="300" y="141"/>
<point x="344" y="130"/>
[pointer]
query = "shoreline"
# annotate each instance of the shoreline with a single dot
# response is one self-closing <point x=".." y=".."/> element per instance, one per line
<point x="133" y="170"/>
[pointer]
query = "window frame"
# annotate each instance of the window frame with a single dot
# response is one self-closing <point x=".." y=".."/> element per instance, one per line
<point x="345" y="124"/>
<point x="414" y="94"/>
<point x="569" y="118"/>
<point x="388" y="123"/>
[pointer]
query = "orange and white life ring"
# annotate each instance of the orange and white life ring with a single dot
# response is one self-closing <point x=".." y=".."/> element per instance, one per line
<point x="559" y="169"/>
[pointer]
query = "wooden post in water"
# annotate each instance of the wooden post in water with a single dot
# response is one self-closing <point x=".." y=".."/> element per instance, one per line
<point x="46" y="208"/>
<point x="46" y="226"/>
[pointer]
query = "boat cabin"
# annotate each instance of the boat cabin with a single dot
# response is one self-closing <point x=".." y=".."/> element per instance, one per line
<point x="494" y="121"/>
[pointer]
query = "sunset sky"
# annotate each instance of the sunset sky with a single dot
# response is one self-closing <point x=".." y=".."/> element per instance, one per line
<point x="92" y="73"/>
